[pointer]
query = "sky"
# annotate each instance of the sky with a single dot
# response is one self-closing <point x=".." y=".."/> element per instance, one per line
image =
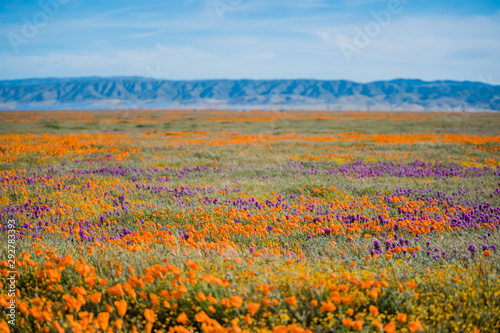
<point x="359" y="40"/>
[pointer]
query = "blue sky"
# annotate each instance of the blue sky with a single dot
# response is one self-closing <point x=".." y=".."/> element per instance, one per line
<point x="255" y="39"/>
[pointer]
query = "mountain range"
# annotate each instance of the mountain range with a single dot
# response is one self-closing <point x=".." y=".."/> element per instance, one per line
<point x="139" y="92"/>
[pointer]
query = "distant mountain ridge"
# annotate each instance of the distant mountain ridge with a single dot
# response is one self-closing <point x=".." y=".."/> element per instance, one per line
<point x="140" y="92"/>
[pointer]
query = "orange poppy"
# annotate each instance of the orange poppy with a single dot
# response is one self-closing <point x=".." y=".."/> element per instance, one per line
<point x="415" y="326"/>
<point x="358" y="325"/>
<point x="390" y="328"/>
<point x="192" y="264"/>
<point x="373" y="293"/>
<point x="95" y="298"/>
<point x="373" y="310"/>
<point x="292" y="300"/>
<point x="103" y="320"/>
<point x="201" y="317"/>
<point x="121" y="307"/>
<point x="183" y="318"/>
<point x="237" y="301"/>
<point x="347" y="323"/>
<point x="116" y="290"/>
<point x="327" y="306"/>
<point x="252" y="308"/>
<point x="149" y="315"/>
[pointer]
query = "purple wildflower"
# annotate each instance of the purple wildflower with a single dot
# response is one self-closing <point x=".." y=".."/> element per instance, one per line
<point x="472" y="249"/>
<point x="127" y="231"/>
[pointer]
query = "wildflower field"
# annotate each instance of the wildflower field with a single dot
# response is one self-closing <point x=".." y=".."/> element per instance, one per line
<point x="219" y="221"/>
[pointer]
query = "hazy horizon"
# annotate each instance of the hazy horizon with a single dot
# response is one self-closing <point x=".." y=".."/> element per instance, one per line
<point x="243" y="79"/>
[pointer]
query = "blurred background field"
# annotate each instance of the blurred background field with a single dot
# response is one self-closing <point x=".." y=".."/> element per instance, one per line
<point x="290" y="220"/>
<point x="275" y="122"/>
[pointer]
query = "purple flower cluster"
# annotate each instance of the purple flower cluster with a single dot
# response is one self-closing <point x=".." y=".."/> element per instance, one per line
<point x="361" y="169"/>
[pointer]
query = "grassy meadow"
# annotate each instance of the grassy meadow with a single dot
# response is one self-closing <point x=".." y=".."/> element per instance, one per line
<point x="225" y="221"/>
